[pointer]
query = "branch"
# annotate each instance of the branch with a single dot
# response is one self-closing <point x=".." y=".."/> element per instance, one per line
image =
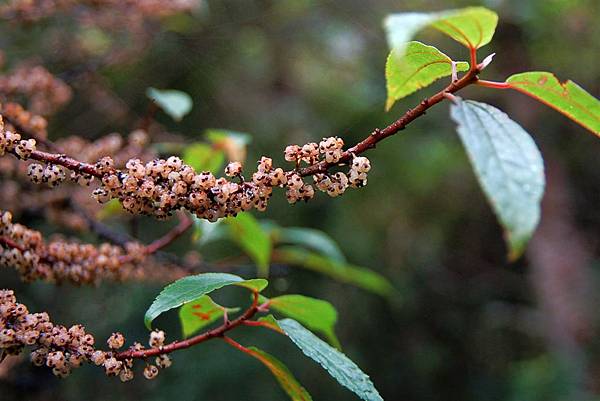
<point x="378" y="135"/>
<point x="177" y="345"/>
<point x="212" y="199"/>
<point x="65" y="161"/>
<point x="185" y="222"/>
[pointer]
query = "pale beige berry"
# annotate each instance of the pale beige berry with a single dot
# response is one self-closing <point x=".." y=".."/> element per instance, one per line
<point x="150" y="372"/>
<point x="361" y="164"/>
<point x="98" y="358"/>
<point x="38" y="357"/>
<point x="56" y="359"/>
<point x="163" y="361"/>
<point x="116" y="341"/>
<point x="233" y="169"/>
<point x="292" y="153"/>
<point x="112" y="366"/>
<point x="126" y="375"/>
<point x="157" y="338"/>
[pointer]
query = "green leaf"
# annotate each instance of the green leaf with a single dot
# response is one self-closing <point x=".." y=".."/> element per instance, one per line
<point x="270" y="322"/>
<point x="346" y="273"/>
<point x="188" y="289"/>
<point x="508" y="165"/>
<point x="199" y="313"/>
<point x="567" y="98"/>
<point x="233" y="143"/>
<point x="255" y="284"/>
<point x="173" y="102"/>
<point x="316" y="314"/>
<point x="471" y="26"/>
<point x="203" y="157"/>
<point x="310" y="238"/>
<point x="417" y="68"/>
<point x="252" y="238"/>
<point x="286" y="380"/>
<point x="339" y="366"/>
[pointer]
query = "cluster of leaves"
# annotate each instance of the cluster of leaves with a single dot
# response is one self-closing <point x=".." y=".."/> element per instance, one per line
<point x="198" y="310"/>
<point x="506" y="160"/>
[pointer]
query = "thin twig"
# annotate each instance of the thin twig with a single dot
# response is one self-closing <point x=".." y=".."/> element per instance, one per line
<point x="177" y="345"/>
<point x="185" y="222"/>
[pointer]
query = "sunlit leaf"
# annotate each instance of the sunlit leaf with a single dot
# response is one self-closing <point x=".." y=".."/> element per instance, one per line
<point x="346" y="273"/>
<point x="316" y="314"/>
<point x="252" y="238"/>
<point x="338" y="365"/>
<point x="419" y="66"/>
<point x="173" y="102"/>
<point x="286" y="379"/>
<point x="567" y="97"/>
<point x="203" y="157"/>
<point x="199" y="313"/>
<point x="508" y="165"/>
<point x="471" y="26"/>
<point x="311" y="238"/>
<point x="188" y="289"/>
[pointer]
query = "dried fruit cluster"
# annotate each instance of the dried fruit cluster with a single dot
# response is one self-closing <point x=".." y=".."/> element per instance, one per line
<point x="71" y="205"/>
<point x="160" y="187"/>
<point x="63" y="349"/>
<point x="45" y="92"/>
<point x="19" y="119"/>
<point x="329" y="150"/>
<point x="32" y="10"/>
<point x="59" y="261"/>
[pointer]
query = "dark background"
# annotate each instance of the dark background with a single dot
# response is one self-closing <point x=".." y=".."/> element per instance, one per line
<point x="466" y="325"/>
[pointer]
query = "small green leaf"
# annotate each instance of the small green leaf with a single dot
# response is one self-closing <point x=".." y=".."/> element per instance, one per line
<point x="345" y="273"/>
<point x="203" y="157"/>
<point x="316" y="314"/>
<point x="472" y="26"/>
<point x="508" y="165"/>
<point x="252" y="238"/>
<point x="567" y="98"/>
<point x="173" y="102"/>
<point x="270" y="322"/>
<point x="311" y="238"/>
<point x="255" y="284"/>
<point x="188" y="289"/>
<point x="199" y="313"/>
<point x="417" y="68"/>
<point x="286" y="379"/>
<point x="339" y="366"/>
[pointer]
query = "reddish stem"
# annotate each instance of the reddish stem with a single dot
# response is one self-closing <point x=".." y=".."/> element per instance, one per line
<point x="177" y="345"/>
<point x="493" y="84"/>
<point x="473" y="54"/>
<point x="65" y="161"/>
<point x="185" y="223"/>
<point x="235" y="344"/>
